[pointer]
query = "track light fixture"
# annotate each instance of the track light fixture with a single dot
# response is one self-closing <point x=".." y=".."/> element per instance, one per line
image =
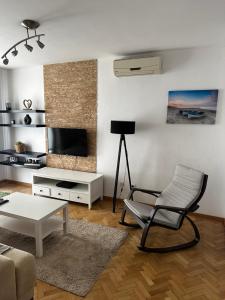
<point x="29" y="25"/>
<point x="14" y="52"/>
<point x="29" y="47"/>
<point x="5" y="61"/>
<point x="40" y="44"/>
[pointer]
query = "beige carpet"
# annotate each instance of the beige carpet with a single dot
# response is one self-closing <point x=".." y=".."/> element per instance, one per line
<point x="72" y="262"/>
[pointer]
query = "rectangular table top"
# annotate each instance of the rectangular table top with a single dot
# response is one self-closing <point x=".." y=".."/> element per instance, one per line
<point x="30" y="207"/>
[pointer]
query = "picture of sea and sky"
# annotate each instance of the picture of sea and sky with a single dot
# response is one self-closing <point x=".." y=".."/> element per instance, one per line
<point x="192" y="107"/>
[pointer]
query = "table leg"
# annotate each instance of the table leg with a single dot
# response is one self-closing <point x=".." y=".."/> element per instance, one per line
<point x="38" y="239"/>
<point x="65" y="219"/>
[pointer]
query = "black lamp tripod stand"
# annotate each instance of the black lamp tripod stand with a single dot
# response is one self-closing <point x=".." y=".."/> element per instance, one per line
<point x="122" y="141"/>
<point x="122" y="128"/>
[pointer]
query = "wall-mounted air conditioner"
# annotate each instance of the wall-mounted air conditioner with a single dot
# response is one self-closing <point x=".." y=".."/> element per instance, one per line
<point x="137" y="66"/>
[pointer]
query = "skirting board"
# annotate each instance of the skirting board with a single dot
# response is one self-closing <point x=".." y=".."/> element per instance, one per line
<point x="193" y="214"/>
<point x="7" y="181"/>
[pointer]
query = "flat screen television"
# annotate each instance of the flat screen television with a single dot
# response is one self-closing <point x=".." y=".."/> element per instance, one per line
<point x="67" y="141"/>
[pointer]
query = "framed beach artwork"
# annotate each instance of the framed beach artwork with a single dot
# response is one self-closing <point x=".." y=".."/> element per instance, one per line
<point x="192" y="107"/>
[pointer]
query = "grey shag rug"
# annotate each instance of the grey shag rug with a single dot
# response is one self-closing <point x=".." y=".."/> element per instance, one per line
<point x="74" y="261"/>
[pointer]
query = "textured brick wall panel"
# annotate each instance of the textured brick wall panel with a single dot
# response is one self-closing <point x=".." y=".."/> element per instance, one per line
<point x="71" y="102"/>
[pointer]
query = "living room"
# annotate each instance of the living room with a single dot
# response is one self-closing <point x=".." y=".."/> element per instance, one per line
<point x="73" y="83"/>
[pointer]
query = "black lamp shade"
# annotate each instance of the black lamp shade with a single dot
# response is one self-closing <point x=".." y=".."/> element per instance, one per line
<point x="123" y="127"/>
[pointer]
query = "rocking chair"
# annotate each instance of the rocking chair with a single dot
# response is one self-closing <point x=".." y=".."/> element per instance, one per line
<point x="172" y="206"/>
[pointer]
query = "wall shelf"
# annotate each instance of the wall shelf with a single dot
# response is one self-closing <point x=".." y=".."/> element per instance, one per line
<point x="24" y="111"/>
<point x="22" y="160"/>
<point x="23" y="125"/>
<point x="20" y="165"/>
<point x="12" y="152"/>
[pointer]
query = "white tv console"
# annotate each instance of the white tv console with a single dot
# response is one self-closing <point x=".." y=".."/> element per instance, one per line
<point x="88" y="188"/>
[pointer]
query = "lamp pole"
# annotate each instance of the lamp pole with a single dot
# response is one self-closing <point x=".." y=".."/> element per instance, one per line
<point x="122" y="128"/>
<point x="122" y="141"/>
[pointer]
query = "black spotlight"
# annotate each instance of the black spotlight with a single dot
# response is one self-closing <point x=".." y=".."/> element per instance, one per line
<point x="5" y="61"/>
<point x="40" y="44"/>
<point x="29" y="48"/>
<point x="15" y="52"/>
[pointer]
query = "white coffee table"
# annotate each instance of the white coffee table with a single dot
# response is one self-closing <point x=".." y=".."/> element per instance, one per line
<point x="31" y="215"/>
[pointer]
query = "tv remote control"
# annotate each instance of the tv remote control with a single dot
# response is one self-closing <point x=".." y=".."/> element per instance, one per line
<point x="3" y="201"/>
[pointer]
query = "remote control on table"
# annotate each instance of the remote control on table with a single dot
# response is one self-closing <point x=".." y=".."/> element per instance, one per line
<point x="3" y="201"/>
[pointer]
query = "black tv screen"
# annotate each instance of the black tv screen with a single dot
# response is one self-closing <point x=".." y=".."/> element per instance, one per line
<point x="67" y="141"/>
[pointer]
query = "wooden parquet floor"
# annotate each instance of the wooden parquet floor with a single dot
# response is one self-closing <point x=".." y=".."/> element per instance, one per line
<point x="197" y="273"/>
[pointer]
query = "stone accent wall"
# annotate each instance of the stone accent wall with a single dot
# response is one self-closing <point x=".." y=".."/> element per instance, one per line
<point x="71" y="102"/>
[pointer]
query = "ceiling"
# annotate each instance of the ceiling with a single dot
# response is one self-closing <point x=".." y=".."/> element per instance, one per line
<point x="81" y="29"/>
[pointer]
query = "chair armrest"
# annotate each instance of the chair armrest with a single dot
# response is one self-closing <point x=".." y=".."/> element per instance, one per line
<point x="194" y="208"/>
<point x="150" y="192"/>
<point x="7" y="279"/>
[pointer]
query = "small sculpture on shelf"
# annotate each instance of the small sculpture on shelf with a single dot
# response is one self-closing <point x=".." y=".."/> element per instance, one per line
<point x="27" y="103"/>
<point x="20" y="147"/>
<point x="27" y="120"/>
<point x="13" y="159"/>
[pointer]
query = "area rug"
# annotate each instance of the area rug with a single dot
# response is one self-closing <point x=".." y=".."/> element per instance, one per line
<point x="74" y="261"/>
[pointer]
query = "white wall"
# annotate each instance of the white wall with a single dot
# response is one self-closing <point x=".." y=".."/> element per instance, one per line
<point x="26" y="83"/>
<point x="157" y="147"/>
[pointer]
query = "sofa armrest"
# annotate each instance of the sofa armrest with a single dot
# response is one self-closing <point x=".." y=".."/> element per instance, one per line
<point x="25" y="273"/>
<point x="7" y="279"/>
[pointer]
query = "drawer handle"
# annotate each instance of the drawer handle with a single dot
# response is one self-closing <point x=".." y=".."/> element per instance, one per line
<point x="78" y="197"/>
<point x="135" y="69"/>
<point x="41" y="190"/>
<point x="59" y="194"/>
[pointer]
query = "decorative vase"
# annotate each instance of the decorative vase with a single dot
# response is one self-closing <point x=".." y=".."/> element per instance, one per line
<point x="27" y="120"/>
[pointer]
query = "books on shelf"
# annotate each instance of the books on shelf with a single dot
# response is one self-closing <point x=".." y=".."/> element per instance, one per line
<point x="32" y="165"/>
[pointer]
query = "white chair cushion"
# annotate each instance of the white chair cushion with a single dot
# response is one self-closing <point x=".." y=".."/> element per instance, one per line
<point x="145" y="212"/>
<point x="181" y="192"/>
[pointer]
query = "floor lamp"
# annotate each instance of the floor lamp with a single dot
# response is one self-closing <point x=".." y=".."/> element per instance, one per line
<point x="122" y="128"/>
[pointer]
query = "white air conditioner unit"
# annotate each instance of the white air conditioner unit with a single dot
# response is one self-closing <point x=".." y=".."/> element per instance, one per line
<point x="137" y="66"/>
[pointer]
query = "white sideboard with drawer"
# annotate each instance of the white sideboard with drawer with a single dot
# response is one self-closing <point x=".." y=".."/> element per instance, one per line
<point x="88" y="188"/>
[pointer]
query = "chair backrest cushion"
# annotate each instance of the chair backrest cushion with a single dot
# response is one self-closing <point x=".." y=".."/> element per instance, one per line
<point x="183" y="190"/>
